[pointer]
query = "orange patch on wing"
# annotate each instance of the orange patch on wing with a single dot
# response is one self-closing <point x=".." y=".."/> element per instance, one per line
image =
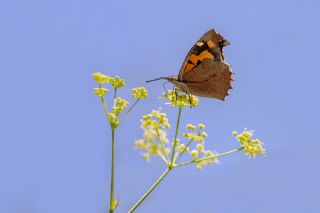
<point x="195" y="58"/>
<point x="211" y="44"/>
<point x="188" y="67"/>
<point x="205" y="54"/>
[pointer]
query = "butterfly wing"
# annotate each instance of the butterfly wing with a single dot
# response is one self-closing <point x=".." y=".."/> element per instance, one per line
<point x="211" y="79"/>
<point x="208" y="46"/>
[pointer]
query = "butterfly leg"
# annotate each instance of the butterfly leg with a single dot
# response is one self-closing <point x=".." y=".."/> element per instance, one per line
<point x="176" y="94"/>
<point x="163" y="85"/>
<point x="190" y="100"/>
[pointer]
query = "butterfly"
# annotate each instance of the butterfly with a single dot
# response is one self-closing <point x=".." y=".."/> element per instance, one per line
<point x="204" y="72"/>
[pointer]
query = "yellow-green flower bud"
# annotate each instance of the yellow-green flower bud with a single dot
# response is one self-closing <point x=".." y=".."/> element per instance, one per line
<point x="181" y="147"/>
<point x="186" y="135"/>
<point x="121" y="103"/>
<point x="116" y="110"/>
<point x="146" y="156"/>
<point x="154" y="149"/>
<point x="190" y="127"/>
<point x="140" y="144"/>
<point x="204" y="134"/>
<point x="146" y="117"/>
<point x="175" y="99"/>
<point x="113" y="119"/>
<point x="200" y="147"/>
<point x="155" y="113"/>
<point x="194" y="154"/>
<point x="209" y="153"/>
<point x="140" y="93"/>
<point x="101" y="78"/>
<point x="164" y="140"/>
<point x="100" y="91"/>
<point x="150" y="134"/>
<point x="176" y="141"/>
<point x="198" y="138"/>
<point x="201" y="126"/>
<point x="117" y="82"/>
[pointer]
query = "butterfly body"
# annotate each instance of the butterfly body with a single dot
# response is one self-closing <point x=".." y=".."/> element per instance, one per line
<point x="204" y="72"/>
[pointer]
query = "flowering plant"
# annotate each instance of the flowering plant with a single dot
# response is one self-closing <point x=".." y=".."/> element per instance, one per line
<point x="155" y="126"/>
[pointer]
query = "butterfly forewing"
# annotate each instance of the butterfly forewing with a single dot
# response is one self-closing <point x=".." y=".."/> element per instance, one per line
<point x="204" y="71"/>
<point x="208" y="46"/>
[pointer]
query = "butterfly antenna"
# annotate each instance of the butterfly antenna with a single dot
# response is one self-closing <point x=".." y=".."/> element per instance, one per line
<point x="156" y="79"/>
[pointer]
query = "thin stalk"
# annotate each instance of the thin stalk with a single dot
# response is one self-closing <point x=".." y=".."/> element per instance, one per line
<point x="162" y="147"/>
<point x="176" y="135"/>
<point x="115" y="94"/>
<point x="112" y="175"/>
<point x="183" y="151"/>
<point x="211" y="157"/>
<point x="104" y="105"/>
<point x="112" y="156"/>
<point x="105" y="108"/>
<point x="111" y="206"/>
<point x="149" y="190"/>
<point x="129" y="110"/>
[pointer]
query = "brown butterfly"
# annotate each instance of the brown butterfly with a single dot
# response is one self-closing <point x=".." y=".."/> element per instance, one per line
<point x="204" y="72"/>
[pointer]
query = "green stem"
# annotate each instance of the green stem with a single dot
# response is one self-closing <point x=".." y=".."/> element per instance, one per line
<point x="111" y="206"/>
<point x="162" y="147"/>
<point x="104" y="105"/>
<point x="176" y="135"/>
<point x="115" y="95"/>
<point x="112" y="175"/>
<point x="183" y="151"/>
<point x="105" y="108"/>
<point x="211" y="157"/>
<point x="129" y="110"/>
<point x="150" y="190"/>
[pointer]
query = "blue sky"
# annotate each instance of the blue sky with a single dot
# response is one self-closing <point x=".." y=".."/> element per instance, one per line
<point x="54" y="140"/>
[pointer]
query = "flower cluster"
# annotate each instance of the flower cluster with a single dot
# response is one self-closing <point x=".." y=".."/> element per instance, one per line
<point x="180" y="100"/>
<point x="139" y="93"/>
<point x="101" y="78"/>
<point x="207" y="157"/>
<point x="250" y="146"/>
<point x="113" y="120"/>
<point x="119" y="104"/>
<point x="199" y="154"/>
<point x="117" y="82"/>
<point x="198" y="136"/>
<point x="155" y="140"/>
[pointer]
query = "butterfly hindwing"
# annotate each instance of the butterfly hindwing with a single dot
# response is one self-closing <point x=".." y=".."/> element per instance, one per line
<point x="210" y="79"/>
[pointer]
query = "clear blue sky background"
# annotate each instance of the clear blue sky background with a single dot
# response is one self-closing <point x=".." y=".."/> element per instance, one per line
<point x="54" y="140"/>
